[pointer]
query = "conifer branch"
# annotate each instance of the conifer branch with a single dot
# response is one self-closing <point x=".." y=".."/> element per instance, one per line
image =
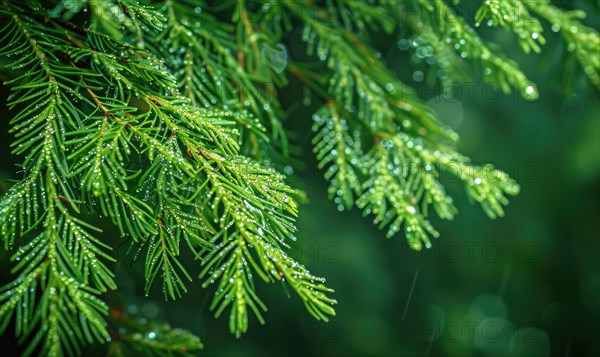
<point x="161" y="117"/>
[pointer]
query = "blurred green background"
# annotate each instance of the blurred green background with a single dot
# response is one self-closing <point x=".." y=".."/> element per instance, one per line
<point x="524" y="285"/>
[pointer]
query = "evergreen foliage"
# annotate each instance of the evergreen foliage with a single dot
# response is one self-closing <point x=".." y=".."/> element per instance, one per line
<point x="162" y="117"/>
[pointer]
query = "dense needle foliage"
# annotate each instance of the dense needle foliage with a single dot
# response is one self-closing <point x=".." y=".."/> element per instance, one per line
<point x="163" y="118"/>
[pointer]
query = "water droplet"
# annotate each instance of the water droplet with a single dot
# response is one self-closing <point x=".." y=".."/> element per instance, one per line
<point x="531" y="92"/>
<point x="418" y="76"/>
